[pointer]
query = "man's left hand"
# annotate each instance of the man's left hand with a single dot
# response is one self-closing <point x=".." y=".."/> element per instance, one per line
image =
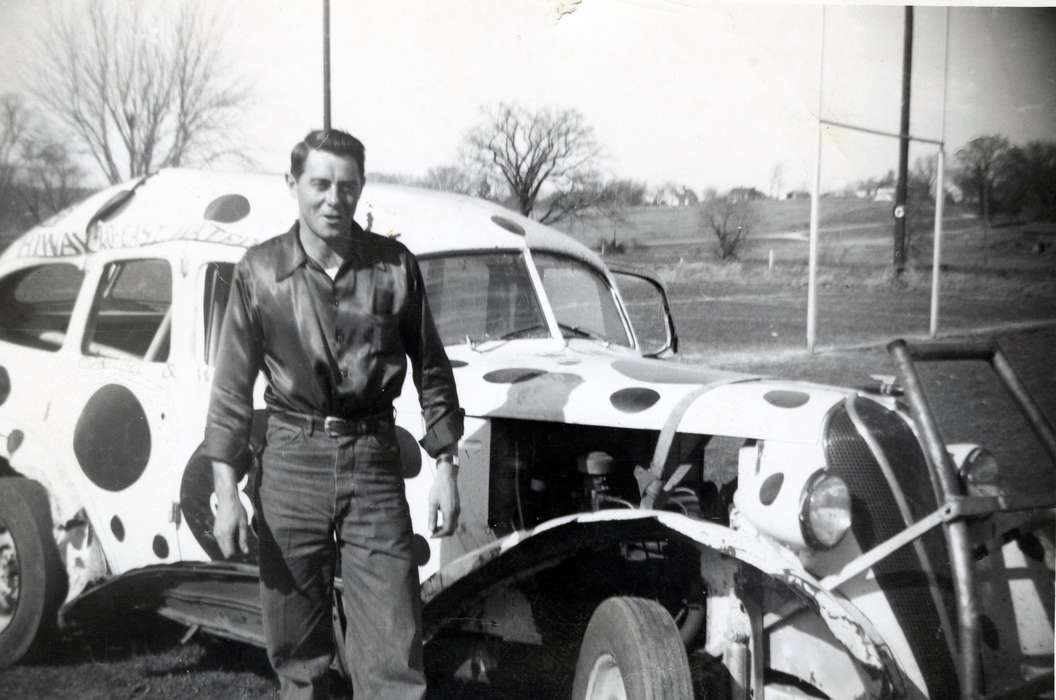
<point x="443" y="497"/>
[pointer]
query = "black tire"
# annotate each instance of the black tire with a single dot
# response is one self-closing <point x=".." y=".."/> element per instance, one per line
<point x="26" y="515"/>
<point x="638" y="638"/>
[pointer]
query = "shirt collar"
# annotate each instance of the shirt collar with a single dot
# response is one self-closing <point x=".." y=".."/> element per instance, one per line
<point x="292" y="255"/>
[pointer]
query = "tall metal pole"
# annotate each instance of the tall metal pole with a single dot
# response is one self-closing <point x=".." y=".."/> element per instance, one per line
<point x="899" y="258"/>
<point x="940" y="188"/>
<point x="326" y="64"/>
<point x="815" y="195"/>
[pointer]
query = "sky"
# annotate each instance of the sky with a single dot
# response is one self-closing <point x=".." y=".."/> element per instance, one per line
<point x="702" y="94"/>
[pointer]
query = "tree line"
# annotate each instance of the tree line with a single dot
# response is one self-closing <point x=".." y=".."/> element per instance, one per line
<point x="127" y="93"/>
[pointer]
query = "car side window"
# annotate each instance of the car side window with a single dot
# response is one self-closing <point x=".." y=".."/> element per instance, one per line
<point x="36" y="304"/>
<point x="131" y="317"/>
<point x="218" y="278"/>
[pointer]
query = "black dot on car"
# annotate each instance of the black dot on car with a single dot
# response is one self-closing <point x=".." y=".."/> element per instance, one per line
<point x="5" y="384"/>
<point x="410" y="453"/>
<point x="118" y="528"/>
<point x="988" y="631"/>
<point x="770" y="488"/>
<point x="420" y="550"/>
<point x="513" y="375"/>
<point x="455" y="364"/>
<point x="112" y="438"/>
<point x="227" y="209"/>
<point x="786" y="399"/>
<point x="634" y="399"/>
<point x="161" y="547"/>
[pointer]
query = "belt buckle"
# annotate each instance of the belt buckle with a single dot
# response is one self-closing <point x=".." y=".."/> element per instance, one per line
<point x="332" y="426"/>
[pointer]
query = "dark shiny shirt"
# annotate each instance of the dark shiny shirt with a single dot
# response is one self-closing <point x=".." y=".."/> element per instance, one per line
<point x="327" y="346"/>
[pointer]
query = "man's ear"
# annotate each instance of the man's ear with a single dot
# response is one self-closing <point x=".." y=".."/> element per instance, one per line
<point x="291" y="183"/>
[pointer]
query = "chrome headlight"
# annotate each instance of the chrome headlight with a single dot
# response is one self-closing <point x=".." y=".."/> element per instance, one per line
<point x="979" y="470"/>
<point x="825" y="510"/>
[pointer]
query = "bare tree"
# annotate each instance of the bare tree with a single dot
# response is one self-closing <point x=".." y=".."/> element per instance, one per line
<point x="14" y="124"/>
<point x="38" y="175"/>
<point x="548" y="159"/>
<point x="50" y="179"/>
<point x="448" y="178"/>
<point x="730" y="221"/>
<point x="139" y="93"/>
<point x="979" y="167"/>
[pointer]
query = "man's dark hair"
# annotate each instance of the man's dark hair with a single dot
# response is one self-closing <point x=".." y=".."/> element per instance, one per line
<point x="335" y="141"/>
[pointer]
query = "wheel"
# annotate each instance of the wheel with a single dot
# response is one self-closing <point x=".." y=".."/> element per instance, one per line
<point x="32" y="578"/>
<point x="632" y="650"/>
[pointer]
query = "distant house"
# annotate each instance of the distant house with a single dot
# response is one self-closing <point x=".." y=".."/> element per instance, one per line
<point x="797" y="194"/>
<point x="884" y="194"/>
<point x="744" y="194"/>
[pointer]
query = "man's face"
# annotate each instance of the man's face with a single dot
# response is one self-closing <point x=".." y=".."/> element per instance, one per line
<point x="327" y="193"/>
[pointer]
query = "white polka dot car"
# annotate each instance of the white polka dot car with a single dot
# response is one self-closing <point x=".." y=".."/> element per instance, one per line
<point x="682" y="530"/>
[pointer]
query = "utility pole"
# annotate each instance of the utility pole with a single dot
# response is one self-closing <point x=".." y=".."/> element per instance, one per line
<point x="326" y="64"/>
<point x="899" y="257"/>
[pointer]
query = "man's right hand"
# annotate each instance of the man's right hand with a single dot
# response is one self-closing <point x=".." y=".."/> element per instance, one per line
<point x="231" y="526"/>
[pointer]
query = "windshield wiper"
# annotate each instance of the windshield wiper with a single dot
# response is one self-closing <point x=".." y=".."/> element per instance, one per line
<point x="581" y="332"/>
<point x="521" y="331"/>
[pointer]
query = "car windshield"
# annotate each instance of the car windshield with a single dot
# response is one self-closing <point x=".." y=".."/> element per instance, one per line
<point x="483" y="296"/>
<point x="582" y="299"/>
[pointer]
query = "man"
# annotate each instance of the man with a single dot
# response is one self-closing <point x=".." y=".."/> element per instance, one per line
<point x="330" y="313"/>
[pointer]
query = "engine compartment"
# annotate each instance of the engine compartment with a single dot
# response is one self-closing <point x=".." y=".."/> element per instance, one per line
<point x="541" y="470"/>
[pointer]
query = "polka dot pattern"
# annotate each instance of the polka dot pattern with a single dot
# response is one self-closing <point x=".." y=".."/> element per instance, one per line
<point x="420" y="550"/>
<point x="770" y="488"/>
<point x="634" y="399"/>
<point x="227" y="209"/>
<point x="161" y="547"/>
<point x="513" y="375"/>
<point x="118" y="528"/>
<point x="410" y="453"/>
<point x="786" y="399"/>
<point x="112" y="438"/>
<point x="455" y="364"/>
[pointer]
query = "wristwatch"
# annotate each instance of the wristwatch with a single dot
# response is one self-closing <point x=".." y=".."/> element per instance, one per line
<point x="449" y="457"/>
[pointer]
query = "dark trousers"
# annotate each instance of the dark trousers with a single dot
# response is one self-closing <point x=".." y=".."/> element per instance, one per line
<point x="328" y="500"/>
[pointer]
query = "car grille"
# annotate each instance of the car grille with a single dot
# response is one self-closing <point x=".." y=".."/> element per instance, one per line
<point x="876" y="518"/>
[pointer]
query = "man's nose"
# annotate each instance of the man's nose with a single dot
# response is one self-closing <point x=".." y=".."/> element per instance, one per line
<point x="333" y="198"/>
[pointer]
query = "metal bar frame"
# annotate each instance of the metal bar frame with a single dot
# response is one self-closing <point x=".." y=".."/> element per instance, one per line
<point x="815" y="194"/>
<point x="955" y="507"/>
<point x="879" y="132"/>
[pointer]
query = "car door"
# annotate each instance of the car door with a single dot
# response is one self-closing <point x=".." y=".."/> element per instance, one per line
<point x="114" y="424"/>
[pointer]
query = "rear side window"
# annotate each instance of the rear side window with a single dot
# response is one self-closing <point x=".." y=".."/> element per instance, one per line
<point x="218" y="278"/>
<point x="132" y="314"/>
<point x="36" y="304"/>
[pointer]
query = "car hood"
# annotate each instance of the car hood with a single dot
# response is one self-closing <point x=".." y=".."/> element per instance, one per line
<point x="585" y="383"/>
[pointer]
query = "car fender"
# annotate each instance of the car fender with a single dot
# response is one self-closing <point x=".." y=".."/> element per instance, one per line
<point x="453" y="589"/>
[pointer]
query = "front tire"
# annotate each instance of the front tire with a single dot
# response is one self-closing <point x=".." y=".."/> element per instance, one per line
<point x="32" y="578"/>
<point x="632" y="651"/>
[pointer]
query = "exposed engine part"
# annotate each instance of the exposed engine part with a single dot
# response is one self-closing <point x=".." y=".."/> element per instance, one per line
<point x="542" y="470"/>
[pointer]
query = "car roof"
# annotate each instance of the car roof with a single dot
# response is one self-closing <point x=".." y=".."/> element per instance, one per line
<point x="243" y="209"/>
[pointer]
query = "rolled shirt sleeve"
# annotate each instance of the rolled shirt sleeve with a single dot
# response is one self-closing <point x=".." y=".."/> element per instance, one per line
<point x="231" y="401"/>
<point x="431" y="370"/>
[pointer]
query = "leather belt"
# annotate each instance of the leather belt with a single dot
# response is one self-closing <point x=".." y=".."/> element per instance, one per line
<point x="337" y="426"/>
